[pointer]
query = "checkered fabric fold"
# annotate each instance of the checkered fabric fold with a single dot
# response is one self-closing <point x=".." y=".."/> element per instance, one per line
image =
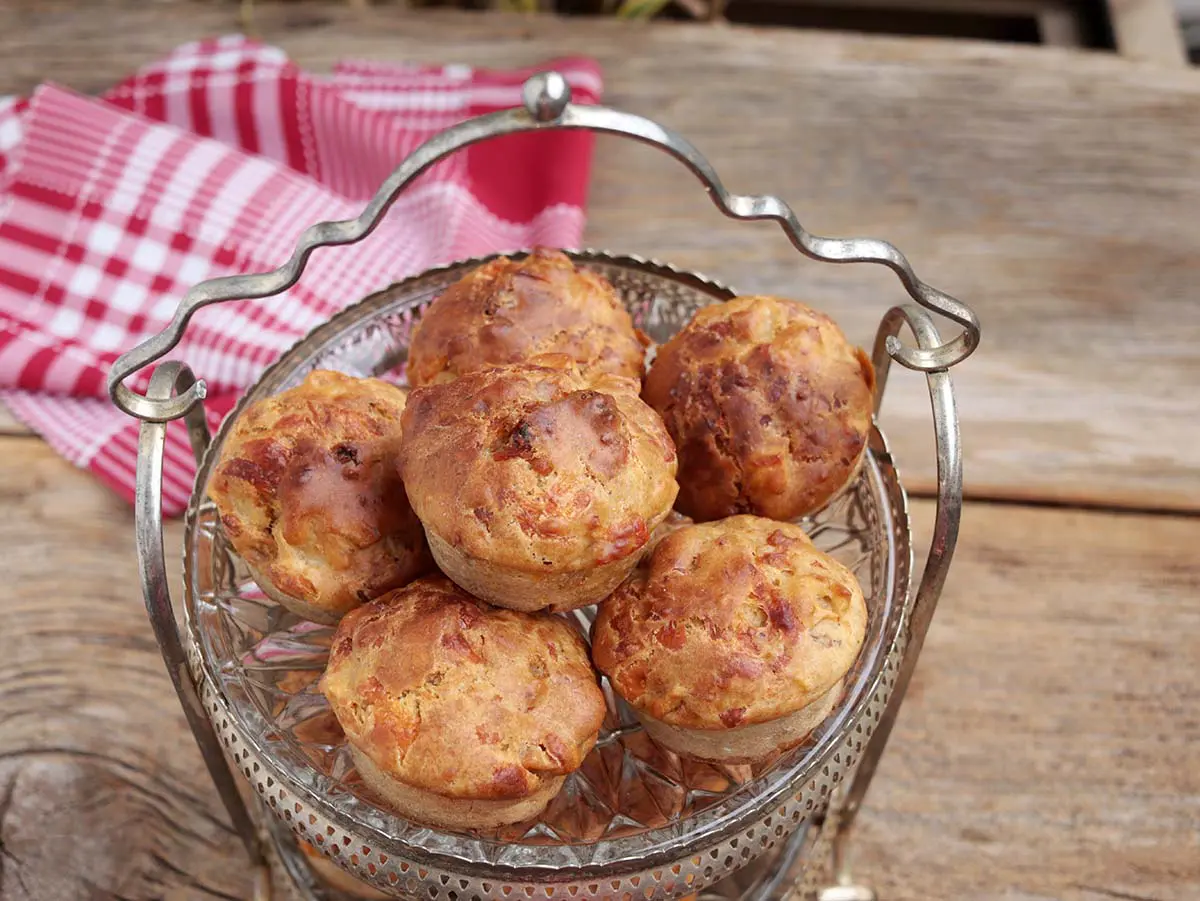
<point x="212" y="161"/>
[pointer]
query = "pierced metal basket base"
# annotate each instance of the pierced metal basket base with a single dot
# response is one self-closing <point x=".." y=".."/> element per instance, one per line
<point x="635" y="822"/>
<point x="795" y="870"/>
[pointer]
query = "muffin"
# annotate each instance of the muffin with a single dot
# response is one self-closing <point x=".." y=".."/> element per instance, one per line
<point x="538" y="489"/>
<point x="459" y="714"/>
<point x="732" y="641"/>
<point x="309" y="496"/>
<point x="769" y="406"/>
<point x="507" y="311"/>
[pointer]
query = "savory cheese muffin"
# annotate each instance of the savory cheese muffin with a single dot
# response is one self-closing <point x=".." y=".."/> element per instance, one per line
<point x="309" y="496"/>
<point x="507" y="311"/>
<point x="769" y="406"/>
<point x="538" y="488"/>
<point x="459" y="714"/>
<point x="731" y="643"/>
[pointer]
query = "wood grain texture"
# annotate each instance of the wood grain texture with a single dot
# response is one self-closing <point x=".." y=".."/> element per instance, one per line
<point x="1054" y="190"/>
<point x="1049" y="749"/>
<point x="103" y="794"/>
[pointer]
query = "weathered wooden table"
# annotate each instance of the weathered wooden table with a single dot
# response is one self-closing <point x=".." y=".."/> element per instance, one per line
<point x="1050" y="747"/>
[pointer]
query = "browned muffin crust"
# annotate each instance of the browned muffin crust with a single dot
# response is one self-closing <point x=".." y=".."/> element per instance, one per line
<point x="536" y="469"/>
<point x="309" y="495"/>
<point x="444" y="693"/>
<point x="507" y="311"/>
<point x="769" y="406"/>
<point x="730" y="624"/>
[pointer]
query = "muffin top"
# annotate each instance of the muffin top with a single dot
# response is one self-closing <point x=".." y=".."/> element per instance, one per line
<point x="731" y="623"/>
<point x="769" y="406"/>
<point x="507" y="311"/>
<point x="309" y="495"/>
<point x="535" y="468"/>
<point x="450" y="695"/>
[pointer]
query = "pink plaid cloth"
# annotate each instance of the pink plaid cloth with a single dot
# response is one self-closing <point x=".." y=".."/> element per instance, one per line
<point x="212" y="161"/>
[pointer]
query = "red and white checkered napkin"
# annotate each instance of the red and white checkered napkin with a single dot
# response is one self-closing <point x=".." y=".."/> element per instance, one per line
<point x="213" y="161"/>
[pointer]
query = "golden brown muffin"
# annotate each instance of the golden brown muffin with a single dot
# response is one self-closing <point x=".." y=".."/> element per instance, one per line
<point x="769" y="406"/>
<point x="460" y="714"/>
<point x="507" y="311"/>
<point x="310" y="498"/>
<point x="732" y="642"/>
<point x="537" y="489"/>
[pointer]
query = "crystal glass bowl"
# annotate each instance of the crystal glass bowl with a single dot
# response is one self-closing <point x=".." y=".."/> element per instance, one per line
<point x="635" y="821"/>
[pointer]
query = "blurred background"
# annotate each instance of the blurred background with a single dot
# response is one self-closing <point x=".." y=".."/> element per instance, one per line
<point x="1156" y="30"/>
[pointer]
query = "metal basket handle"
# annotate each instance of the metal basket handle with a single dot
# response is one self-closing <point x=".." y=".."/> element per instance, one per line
<point x="547" y="106"/>
<point x="174" y="392"/>
<point x="933" y="577"/>
<point x="167" y="380"/>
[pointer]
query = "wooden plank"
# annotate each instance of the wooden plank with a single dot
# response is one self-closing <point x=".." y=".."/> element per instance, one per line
<point x="1056" y="191"/>
<point x="1049" y="747"/>
<point x="104" y="792"/>
<point x="1024" y="763"/>
<point x="1148" y="31"/>
<point x="1008" y="8"/>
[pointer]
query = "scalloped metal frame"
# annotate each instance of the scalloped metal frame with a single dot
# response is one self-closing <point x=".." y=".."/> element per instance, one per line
<point x="173" y="392"/>
<point x="547" y="105"/>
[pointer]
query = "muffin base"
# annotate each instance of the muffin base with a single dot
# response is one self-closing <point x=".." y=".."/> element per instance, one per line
<point x="745" y="744"/>
<point x="302" y="609"/>
<point x="452" y="813"/>
<point x="529" y="592"/>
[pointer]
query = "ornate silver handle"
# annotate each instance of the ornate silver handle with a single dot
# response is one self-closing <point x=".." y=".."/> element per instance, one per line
<point x="547" y="105"/>
<point x="933" y="577"/>
<point x="167" y="380"/>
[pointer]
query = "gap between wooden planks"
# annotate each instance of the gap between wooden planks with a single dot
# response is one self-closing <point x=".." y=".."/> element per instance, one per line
<point x="1048" y="748"/>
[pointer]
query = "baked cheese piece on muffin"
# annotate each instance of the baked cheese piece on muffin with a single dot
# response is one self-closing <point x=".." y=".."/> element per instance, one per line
<point x="538" y="488"/>
<point x="308" y="495"/>
<point x="769" y="406"/>
<point x="459" y="714"/>
<point x="731" y="642"/>
<point x="509" y="310"/>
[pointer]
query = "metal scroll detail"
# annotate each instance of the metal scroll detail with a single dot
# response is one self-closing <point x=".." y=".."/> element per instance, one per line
<point x="166" y="380"/>
<point x="937" y="565"/>
<point x="547" y="105"/>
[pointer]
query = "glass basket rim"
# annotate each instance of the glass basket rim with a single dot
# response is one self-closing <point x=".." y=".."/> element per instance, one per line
<point x="878" y="468"/>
